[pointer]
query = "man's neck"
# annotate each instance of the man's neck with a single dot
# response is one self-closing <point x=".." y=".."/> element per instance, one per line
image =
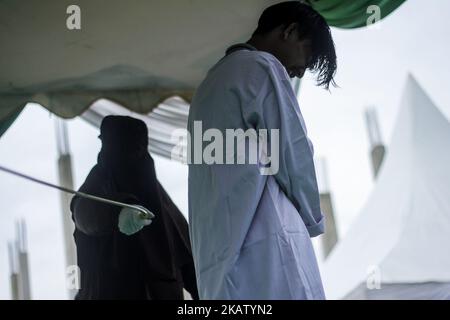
<point x="259" y="44"/>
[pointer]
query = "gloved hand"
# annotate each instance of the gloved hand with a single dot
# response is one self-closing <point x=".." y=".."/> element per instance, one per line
<point x="132" y="221"/>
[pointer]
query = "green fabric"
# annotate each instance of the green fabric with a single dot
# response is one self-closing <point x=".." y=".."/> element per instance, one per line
<point x="7" y="121"/>
<point x="352" y="13"/>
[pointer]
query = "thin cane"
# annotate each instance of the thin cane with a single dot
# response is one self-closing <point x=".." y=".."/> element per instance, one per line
<point x="144" y="213"/>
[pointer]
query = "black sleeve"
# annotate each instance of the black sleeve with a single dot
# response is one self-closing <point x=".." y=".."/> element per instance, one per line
<point x="93" y="217"/>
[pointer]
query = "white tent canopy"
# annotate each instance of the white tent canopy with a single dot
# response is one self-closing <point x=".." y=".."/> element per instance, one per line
<point x="137" y="54"/>
<point x="402" y="235"/>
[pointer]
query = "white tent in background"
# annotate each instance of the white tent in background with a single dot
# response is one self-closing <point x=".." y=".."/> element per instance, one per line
<point x="401" y="239"/>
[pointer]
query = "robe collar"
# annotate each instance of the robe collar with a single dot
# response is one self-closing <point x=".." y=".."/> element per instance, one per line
<point x="240" y="46"/>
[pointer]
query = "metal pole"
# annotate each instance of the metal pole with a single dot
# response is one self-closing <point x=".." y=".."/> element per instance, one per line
<point x="24" y="276"/>
<point x="66" y="180"/>
<point x="13" y="277"/>
<point x="330" y="237"/>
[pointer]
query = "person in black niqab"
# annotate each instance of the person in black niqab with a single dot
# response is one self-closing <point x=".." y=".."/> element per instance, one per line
<point x="153" y="263"/>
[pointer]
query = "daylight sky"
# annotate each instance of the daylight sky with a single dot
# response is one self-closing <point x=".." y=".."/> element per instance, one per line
<point x="372" y="69"/>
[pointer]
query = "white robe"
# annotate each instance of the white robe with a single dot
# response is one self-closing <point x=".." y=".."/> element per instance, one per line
<point x="250" y="233"/>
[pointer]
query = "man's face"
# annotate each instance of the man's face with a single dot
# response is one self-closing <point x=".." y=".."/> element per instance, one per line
<point x="293" y="53"/>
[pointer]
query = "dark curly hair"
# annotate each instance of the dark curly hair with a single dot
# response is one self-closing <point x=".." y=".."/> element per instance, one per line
<point x="312" y="26"/>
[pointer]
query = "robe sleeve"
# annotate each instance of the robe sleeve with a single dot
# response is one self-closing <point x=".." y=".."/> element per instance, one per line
<point x="276" y="107"/>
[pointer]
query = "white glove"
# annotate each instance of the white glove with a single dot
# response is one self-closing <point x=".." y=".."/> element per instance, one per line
<point x="133" y="220"/>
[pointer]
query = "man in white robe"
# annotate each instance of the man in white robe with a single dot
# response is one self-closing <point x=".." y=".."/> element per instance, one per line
<point x="250" y="228"/>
